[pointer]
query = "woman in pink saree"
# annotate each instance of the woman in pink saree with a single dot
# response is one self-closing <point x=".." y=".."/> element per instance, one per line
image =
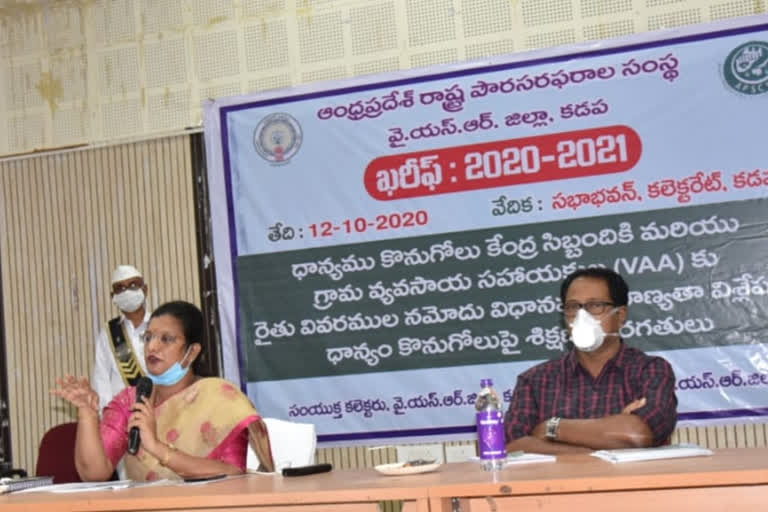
<point x="189" y="426"/>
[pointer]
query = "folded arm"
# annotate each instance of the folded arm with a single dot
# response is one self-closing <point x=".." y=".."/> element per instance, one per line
<point x="623" y="430"/>
<point x="535" y="445"/>
<point x="647" y="421"/>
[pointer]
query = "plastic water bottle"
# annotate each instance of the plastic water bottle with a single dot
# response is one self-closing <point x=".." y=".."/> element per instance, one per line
<point x="490" y="427"/>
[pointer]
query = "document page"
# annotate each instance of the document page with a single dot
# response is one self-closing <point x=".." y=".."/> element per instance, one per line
<point x="660" y="452"/>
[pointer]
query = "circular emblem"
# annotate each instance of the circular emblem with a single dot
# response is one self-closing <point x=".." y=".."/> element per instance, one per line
<point x="746" y="68"/>
<point x="277" y="138"/>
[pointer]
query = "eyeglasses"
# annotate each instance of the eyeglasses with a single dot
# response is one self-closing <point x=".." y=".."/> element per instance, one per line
<point x="593" y="307"/>
<point x="165" y="338"/>
<point x="121" y="287"/>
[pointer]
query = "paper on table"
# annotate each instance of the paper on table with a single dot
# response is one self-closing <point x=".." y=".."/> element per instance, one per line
<point x="81" y="486"/>
<point x="523" y="458"/>
<point x="95" y="486"/>
<point x="527" y="458"/>
<point x="661" y="452"/>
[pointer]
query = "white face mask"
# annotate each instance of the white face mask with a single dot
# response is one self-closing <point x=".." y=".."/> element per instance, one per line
<point x="586" y="331"/>
<point x="129" y="301"/>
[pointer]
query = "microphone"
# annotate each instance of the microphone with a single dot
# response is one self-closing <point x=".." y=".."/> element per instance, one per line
<point x="143" y="390"/>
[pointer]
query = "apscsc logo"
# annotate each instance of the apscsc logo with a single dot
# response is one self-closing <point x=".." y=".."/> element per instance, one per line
<point x="746" y="68"/>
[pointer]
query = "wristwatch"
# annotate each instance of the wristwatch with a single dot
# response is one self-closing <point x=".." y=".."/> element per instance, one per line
<point x="553" y="425"/>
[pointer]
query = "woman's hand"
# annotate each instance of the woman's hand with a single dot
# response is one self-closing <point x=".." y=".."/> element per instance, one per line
<point x="143" y="416"/>
<point x="78" y="392"/>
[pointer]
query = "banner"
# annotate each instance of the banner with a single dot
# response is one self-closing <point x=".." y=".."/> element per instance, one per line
<point x="383" y="245"/>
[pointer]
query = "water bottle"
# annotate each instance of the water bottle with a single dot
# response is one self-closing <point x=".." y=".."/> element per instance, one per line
<point x="490" y="427"/>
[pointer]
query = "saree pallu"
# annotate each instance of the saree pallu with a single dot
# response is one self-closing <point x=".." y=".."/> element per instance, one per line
<point x="209" y="419"/>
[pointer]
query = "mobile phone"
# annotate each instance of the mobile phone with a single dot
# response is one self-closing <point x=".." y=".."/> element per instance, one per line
<point x="193" y="479"/>
<point x="307" y="470"/>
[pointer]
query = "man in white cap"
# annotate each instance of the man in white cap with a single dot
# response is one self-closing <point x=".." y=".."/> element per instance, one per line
<point x="119" y="348"/>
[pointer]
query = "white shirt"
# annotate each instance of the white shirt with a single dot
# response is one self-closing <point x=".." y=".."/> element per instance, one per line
<point x="106" y="379"/>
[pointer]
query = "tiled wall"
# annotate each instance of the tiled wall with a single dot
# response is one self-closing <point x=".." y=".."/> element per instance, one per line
<point x="82" y="71"/>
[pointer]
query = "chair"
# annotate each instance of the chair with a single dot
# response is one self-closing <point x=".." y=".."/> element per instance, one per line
<point x="292" y="444"/>
<point x="56" y="455"/>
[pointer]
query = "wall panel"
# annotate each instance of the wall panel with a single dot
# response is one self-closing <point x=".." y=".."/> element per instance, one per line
<point x="66" y="220"/>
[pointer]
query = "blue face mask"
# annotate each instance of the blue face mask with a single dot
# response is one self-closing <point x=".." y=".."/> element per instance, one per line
<point x="173" y="374"/>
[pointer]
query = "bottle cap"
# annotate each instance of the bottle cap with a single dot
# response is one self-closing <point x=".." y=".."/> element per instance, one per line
<point x="486" y="383"/>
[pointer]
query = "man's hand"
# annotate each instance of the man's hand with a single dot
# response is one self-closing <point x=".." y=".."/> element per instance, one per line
<point x="540" y="431"/>
<point x="633" y="406"/>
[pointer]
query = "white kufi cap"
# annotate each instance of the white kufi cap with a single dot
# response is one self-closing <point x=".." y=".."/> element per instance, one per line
<point x="123" y="272"/>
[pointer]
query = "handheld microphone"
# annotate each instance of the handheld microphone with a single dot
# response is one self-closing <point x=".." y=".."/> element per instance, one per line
<point x="143" y="390"/>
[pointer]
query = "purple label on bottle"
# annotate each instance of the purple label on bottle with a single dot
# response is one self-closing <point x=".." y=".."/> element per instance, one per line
<point x="490" y="435"/>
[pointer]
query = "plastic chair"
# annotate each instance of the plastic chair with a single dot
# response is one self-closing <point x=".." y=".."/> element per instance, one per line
<point x="292" y="444"/>
<point x="56" y="455"/>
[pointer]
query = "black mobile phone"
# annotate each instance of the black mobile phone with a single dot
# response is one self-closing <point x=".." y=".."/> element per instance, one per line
<point x="307" y="470"/>
<point x="193" y="479"/>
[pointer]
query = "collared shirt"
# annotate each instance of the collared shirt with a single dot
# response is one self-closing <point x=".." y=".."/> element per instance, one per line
<point x="106" y="379"/>
<point x="563" y="388"/>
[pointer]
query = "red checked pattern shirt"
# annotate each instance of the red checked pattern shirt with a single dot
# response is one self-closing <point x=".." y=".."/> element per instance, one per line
<point x="562" y="387"/>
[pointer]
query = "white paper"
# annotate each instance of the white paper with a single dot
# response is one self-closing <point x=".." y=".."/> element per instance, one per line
<point x="523" y="458"/>
<point x="661" y="452"/>
<point x="528" y="458"/>
<point x="94" y="486"/>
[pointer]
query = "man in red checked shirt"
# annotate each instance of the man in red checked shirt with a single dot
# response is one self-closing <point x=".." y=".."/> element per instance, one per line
<point x="603" y="394"/>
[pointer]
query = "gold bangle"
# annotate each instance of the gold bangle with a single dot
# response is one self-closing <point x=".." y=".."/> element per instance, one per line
<point x="168" y="455"/>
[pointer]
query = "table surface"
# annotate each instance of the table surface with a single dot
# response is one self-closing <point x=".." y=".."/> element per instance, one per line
<point x="247" y="490"/>
<point x="571" y="473"/>
<point x="584" y="473"/>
